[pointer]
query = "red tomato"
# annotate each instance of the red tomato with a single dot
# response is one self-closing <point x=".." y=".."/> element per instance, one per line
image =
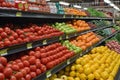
<point x="1" y="30"/>
<point x="17" y="60"/>
<point x="32" y="60"/>
<point x="33" y="74"/>
<point x="26" y="63"/>
<point x="1" y="68"/>
<point x="24" y="72"/>
<point x="7" y="43"/>
<point x="43" y="68"/>
<point x="11" y="38"/>
<point x="50" y="65"/>
<point x="14" y="63"/>
<point x="3" y="34"/>
<point x="7" y="72"/>
<point x="26" y="57"/>
<point x="1" y="44"/>
<point x="19" y="75"/>
<point x="3" y="61"/>
<point x="42" y="50"/>
<point x="27" y="69"/>
<point x="13" y="78"/>
<point x="21" y="65"/>
<point x="15" y="67"/>
<point x="31" y="53"/>
<point x="43" y="55"/>
<point x="9" y="65"/>
<point x="2" y="77"/>
<point x="44" y="61"/>
<point x="15" y="35"/>
<point x="37" y="49"/>
<point x="14" y="42"/>
<point x="38" y="65"/>
<point x="28" y="77"/>
<point x="33" y="68"/>
<point x="19" y="40"/>
<point x="38" y="72"/>
<point x="37" y="54"/>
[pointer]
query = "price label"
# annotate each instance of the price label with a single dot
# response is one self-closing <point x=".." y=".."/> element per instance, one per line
<point x="48" y="74"/>
<point x="44" y="42"/>
<point x="19" y="14"/>
<point x="77" y="16"/>
<point x="68" y="61"/>
<point x="60" y="38"/>
<point x="67" y="36"/>
<point x="64" y="16"/>
<point x="29" y="45"/>
<point x="3" y="52"/>
<point x="75" y="34"/>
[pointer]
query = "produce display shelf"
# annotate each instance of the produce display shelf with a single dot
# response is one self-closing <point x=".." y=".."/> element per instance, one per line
<point x="26" y="14"/>
<point x="57" y="68"/>
<point x="26" y="46"/>
<point x="118" y="75"/>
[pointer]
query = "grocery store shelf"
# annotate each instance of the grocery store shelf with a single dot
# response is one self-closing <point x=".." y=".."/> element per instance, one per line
<point x="118" y="75"/>
<point x="48" y="73"/>
<point x="15" y="13"/>
<point x="26" y="46"/>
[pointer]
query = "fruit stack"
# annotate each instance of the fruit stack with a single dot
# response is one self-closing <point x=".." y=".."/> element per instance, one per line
<point x="85" y="40"/>
<point x="79" y="25"/>
<point x="34" y="62"/>
<point x="64" y="28"/>
<point x="72" y="47"/>
<point x="33" y="32"/>
<point x="100" y="64"/>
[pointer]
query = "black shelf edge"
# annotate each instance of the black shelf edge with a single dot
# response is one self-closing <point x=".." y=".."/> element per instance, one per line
<point x="30" y="45"/>
<point x="118" y="75"/>
<point x="26" y="14"/>
<point x="57" y="68"/>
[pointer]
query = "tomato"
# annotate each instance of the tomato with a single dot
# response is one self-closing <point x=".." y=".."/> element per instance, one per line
<point x="27" y="69"/>
<point x="42" y="50"/>
<point x="24" y="72"/>
<point x="38" y="72"/>
<point x="15" y="35"/>
<point x="7" y="43"/>
<point x="1" y="30"/>
<point x="32" y="60"/>
<point x="7" y="72"/>
<point x="26" y="63"/>
<point x="14" y="63"/>
<point x="26" y="57"/>
<point x="28" y="77"/>
<point x="37" y="54"/>
<point x="19" y="40"/>
<point x="14" y="42"/>
<point x="9" y="65"/>
<point x="43" y="68"/>
<point x="17" y="60"/>
<point x="33" y="68"/>
<point x="11" y="38"/>
<point x="1" y="68"/>
<point x="37" y="49"/>
<point x="15" y="67"/>
<point x="43" y="55"/>
<point x="13" y="78"/>
<point x="19" y="75"/>
<point x="31" y="53"/>
<point x="1" y="44"/>
<point x="33" y="74"/>
<point x="3" y="61"/>
<point x="21" y="65"/>
<point x="3" y="34"/>
<point x="22" y="78"/>
<point x="2" y="77"/>
<point x="44" y="61"/>
<point x="49" y="65"/>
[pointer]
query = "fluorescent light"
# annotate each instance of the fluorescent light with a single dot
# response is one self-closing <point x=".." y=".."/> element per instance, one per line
<point x="64" y="3"/>
<point x="76" y="6"/>
<point x="111" y="4"/>
<point x="107" y="1"/>
<point x="85" y="8"/>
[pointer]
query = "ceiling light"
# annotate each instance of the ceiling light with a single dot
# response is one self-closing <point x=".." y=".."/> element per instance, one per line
<point x="64" y="3"/>
<point x="85" y="8"/>
<point x="107" y="1"/>
<point x="76" y="6"/>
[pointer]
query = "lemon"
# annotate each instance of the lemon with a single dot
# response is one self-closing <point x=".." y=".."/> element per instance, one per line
<point x="70" y="78"/>
<point x="72" y="73"/>
<point x="76" y="78"/>
<point x="73" y="68"/>
<point x="91" y="77"/>
<point x="77" y="61"/>
<point x="77" y="66"/>
<point x="104" y="75"/>
<point x="97" y="75"/>
<point x="82" y="76"/>
<point x="87" y="71"/>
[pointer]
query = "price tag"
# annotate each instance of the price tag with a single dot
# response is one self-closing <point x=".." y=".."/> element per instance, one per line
<point x="64" y="16"/>
<point x="72" y="16"/>
<point x="68" y="61"/>
<point x="48" y="74"/>
<point x="3" y="52"/>
<point x="67" y="36"/>
<point x="77" y="16"/>
<point x="29" y="45"/>
<point x="75" y="34"/>
<point x="60" y="38"/>
<point x="19" y="14"/>
<point x="44" y="42"/>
